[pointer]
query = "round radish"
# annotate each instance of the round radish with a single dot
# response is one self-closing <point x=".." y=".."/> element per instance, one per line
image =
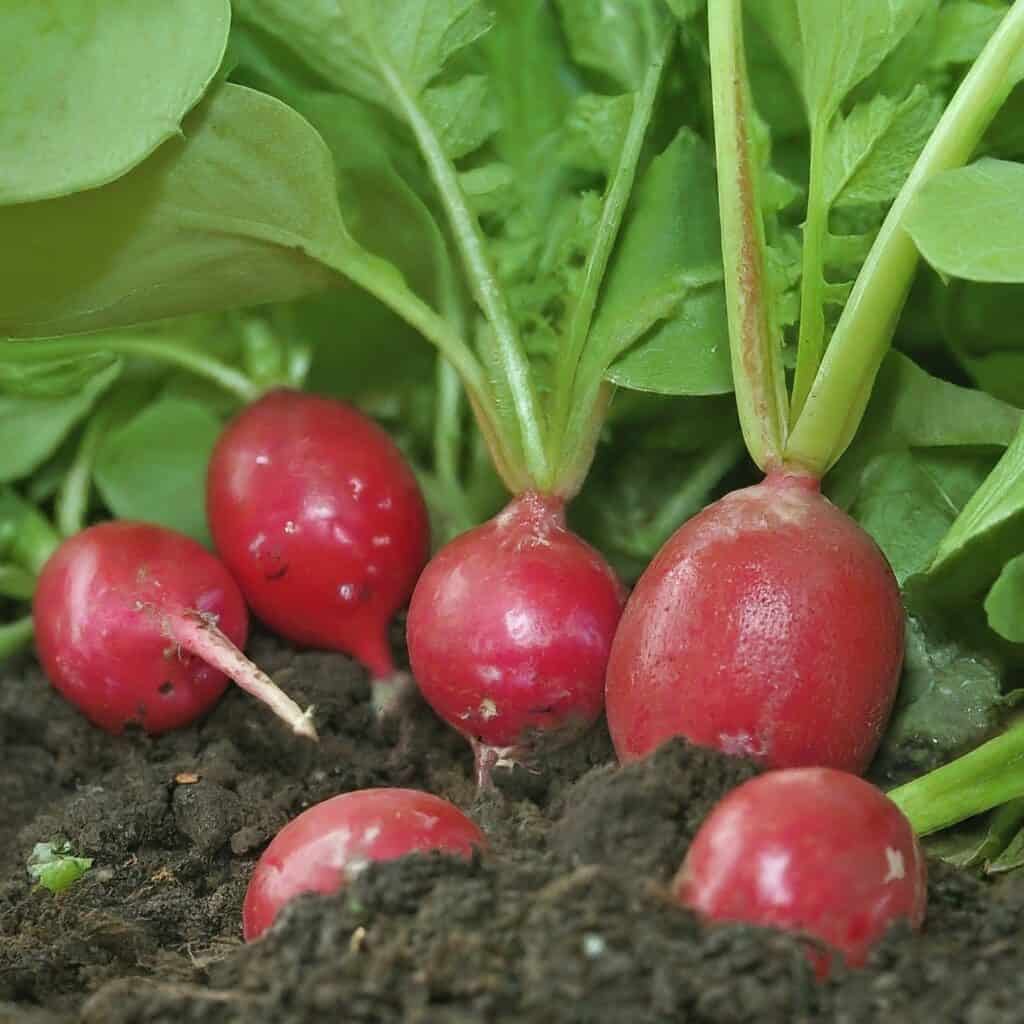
<point x="318" y="516"/>
<point x="509" y="631"/>
<point x="769" y="625"/>
<point x="137" y="624"/>
<point x="811" y="850"/>
<point x="324" y="848"/>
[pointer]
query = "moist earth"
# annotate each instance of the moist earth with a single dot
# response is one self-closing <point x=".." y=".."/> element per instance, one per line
<point x="567" y="919"/>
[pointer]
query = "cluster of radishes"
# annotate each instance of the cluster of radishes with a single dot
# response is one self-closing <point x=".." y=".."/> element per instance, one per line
<point x="770" y="626"/>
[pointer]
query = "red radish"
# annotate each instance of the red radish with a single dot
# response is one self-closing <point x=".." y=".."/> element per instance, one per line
<point x="318" y="516"/>
<point x="812" y="850"/>
<point x="509" y="631"/>
<point x="769" y="625"/>
<point x="324" y="848"/>
<point x="135" y="623"/>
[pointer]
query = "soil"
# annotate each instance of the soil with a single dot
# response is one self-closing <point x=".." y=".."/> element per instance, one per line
<point x="566" y="920"/>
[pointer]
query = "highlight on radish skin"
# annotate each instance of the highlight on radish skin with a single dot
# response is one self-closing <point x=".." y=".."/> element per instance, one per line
<point x="327" y="846"/>
<point x="811" y="850"/>
<point x="138" y="624"/>
<point x="320" y="520"/>
<point x="509" y="631"/>
<point x="769" y="625"/>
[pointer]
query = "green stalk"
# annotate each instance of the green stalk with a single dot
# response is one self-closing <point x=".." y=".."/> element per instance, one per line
<point x="840" y="392"/>
<point x="193" y="360"/>
<point x="988" y="776"/>
<point x="437" y="330"/>
<point x="15" y="636"/>
<point x="72" y="502"/>
<point x="754" y="340"/>
<point x="486" y="288"/>
<point x="612" y="212"/>
<point x="811" y="344"/>
<point x="29" y="538"/>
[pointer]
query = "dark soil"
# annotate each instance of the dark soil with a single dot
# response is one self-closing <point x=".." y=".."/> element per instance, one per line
<point x="567" y="920"/>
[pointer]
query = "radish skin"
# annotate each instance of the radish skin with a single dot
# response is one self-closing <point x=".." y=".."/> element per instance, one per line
<point x="137" y="624"/>
<point x="509" y="632"/>
<point x="320" y="520"/>
<point x="769" y="625"/>
<point x="811" y="850"/>
<point x="327" y="846"/>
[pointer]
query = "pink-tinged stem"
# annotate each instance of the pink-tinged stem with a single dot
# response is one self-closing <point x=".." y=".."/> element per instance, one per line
<point x="199" y="635"/>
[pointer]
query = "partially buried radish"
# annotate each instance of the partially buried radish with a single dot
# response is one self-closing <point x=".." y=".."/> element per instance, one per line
<point x="318" y="516"/>
<point x="324" y="848"/>
<point x="810" y="850"/>
<point x="137" y="624"/>
<point x="769" y="625"/>
<point x="509" y="631"/>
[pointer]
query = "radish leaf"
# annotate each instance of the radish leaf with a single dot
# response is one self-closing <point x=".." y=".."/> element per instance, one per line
<point x="90" y="90"/>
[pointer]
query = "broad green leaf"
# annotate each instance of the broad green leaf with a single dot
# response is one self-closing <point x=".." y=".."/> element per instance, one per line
<point x="388" y="52"/>
<point x="153" y="467"/>
<point x="91" y="87"/>
<point x="612" y="37"/>
<point x="49" y="378"/>
<point x="1011" y="859"/>
<point x="239" y="211"/>
<point x="666" y="267"/>
<point x="869" y="153"/>
<point x="988" y="531"/>
<point x="1004" y="604"/>
<point x="687" y="354"/>
<point x="909" y="499"/>
<point x="962" y="30"/>
<point x="969" y="222"/>
<point x="911" y="410"/>
<point x="981" y="841"/>
<point x="595" y="129"/>
<point x="950" y="699"/>
<point x="830" y="47"/>
<point x="32" y="428"/>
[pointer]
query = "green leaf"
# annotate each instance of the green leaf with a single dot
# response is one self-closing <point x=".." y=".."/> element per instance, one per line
<point x="830" y="47"/>
<point x="33" y="427"/>
<point x="612" y="37"/>
<point x="909" y="499"/>
<point x="910" y="410"/>
<point x="153" y="467"/>
<point x="869" y="153"/>
<point x="237" y="212"/>
<point x="963" y="28"/>
<point x="968" y="222"/>
<point x="54" y="866"/>
<point x="48" y="377"/>
<point x="666" y="267"/>
<point x="1011" y="858"/>
<point x="366" y="47"/>
<point x="1004" y="604"/>
<point x="988" y="531"/>
<point x="950" y="699"/>
<point x="595" y="130"/>
<point x="91" y="88"/>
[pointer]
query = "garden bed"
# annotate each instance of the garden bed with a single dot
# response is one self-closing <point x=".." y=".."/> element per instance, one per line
<point x="566" y="921"/>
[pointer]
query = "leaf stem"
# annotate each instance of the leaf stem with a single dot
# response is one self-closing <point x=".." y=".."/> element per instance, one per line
<point x="17" y="583"/>
<point x="437" y="330"/>
<point x="988" y="776"/>
<point x="612" y="212"/>
<point x="486" y="288"/>
<point x="72" y="502"/>
<point x="754" y="341"/>
<point x="28" y="538"/>
<point x="840" y="392"/>
<point x="811" y="344"/>
<point x="183" y="356"/>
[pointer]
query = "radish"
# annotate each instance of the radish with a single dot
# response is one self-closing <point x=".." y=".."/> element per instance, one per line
<point x="811" y="850"/>
<point x="509" y="631"/>
<point x="769" y="625"/>
<point x="325" y="847"/>
<point x="320" y="520"/>
<point x="137" y="624"/>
